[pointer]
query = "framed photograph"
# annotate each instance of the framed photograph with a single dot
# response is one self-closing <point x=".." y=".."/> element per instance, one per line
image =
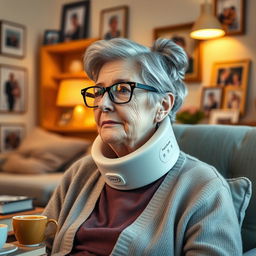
<point x="231" y="14"/>
<point x="51" y="37"/>
<point x="211" y="98"/>
<point x="114" y="22"/>
<point x="224" y="116"/>
<point x="75" y="20"/>
<point x="12" y="39"/>
<point x="11" y="136"/>
<point x="13" y="89"/>
<point x="180" y="34"/>
<point x="234" y="99"/>
<point x="232" y="74"/>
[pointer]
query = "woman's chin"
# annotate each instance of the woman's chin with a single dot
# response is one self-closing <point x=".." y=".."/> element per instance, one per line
<point x="109" y="136"/>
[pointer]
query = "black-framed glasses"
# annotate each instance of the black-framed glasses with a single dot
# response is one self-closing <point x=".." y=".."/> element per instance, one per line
<point x="119" y="93"/>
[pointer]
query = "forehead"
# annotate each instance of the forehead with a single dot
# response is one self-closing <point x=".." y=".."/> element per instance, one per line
<point x="119" y="70"/>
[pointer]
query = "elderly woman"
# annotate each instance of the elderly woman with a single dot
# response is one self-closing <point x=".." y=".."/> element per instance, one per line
<point x="137" y="193"/>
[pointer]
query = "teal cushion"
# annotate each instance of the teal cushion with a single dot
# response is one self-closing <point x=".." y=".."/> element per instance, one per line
<point x="241" y="193"/>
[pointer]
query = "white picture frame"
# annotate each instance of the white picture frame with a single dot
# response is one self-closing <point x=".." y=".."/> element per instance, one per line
<point x="224" y="116"/>
<point x="13" y="89"/>
<point x="12" y="39"/>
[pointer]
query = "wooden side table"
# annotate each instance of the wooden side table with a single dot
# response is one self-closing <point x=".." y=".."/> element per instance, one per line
<point x="28" y="251"/>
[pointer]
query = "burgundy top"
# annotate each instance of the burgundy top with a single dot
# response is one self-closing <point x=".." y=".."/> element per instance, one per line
<point x="114" y="211"/>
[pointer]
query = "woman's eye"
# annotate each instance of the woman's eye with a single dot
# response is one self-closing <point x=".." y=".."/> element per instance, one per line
<point x="123" y="89"/>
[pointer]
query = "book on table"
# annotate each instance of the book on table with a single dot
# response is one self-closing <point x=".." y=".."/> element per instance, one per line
<point x="12" y="204"/>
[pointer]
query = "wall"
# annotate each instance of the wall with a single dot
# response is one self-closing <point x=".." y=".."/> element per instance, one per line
<point x="145" y="15"/>
<point x="36" y="16"/>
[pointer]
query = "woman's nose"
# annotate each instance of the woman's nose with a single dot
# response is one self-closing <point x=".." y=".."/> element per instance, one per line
<point x="105" y="104"/>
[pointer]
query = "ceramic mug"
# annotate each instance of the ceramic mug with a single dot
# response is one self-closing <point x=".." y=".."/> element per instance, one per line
<point x="3" y="234"/>
<point x="30" y="230"/>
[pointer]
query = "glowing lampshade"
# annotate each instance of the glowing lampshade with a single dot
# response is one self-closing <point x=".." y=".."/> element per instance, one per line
<point x="207" y="25"/>
<point x="69" y="93"/>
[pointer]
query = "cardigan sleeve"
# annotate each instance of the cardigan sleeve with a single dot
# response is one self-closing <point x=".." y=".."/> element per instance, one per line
<point x="213" y="228"/>
<point x="53" y="208"/>
<point x="65" y="194"/>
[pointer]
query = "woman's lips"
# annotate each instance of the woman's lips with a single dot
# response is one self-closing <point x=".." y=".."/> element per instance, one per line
<point x="109" y="122"/>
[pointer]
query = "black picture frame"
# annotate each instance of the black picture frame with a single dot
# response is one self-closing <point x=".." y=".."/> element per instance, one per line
<point x="51" y="36"/>
<point x="12" y="39"/>
<point x="78" y="15"/>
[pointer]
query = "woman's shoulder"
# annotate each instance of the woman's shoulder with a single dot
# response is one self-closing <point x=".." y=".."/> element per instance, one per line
<point x="82" y="168"/>
<point x="199" y="172"/>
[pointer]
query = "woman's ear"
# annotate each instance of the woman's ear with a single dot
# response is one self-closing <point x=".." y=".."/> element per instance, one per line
<point x="166" y="105"/>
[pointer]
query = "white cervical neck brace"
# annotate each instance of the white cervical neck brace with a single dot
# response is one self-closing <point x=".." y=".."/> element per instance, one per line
<point x="141" y="167"/>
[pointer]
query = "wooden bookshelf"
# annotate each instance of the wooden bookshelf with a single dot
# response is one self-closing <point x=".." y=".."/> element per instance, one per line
<point x="55" y="63"/>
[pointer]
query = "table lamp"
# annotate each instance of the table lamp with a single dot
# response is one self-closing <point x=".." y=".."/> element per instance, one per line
<point x="69" y="97"/>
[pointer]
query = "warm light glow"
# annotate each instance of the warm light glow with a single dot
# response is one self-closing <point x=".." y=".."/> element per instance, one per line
<point x="207" y="33"/>
<point x="79" y="115"/>
<point x="207" y="25"/>
<point x="69" y="93"/>
<point x="69" y="96"/>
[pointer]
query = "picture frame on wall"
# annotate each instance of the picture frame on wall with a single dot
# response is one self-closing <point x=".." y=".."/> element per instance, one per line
<point x="114" y="22"/>
<point x="224" y="116"/>
<point x="12" y="39"/>
<point x="232" y="75"/>
<point x="180" y="34"/>
<point x="13" y="89"/>
<point x="75" y="21"/>
<point x="51" y="36"/>
<point x="231" y="14"/>
<point x="211" y="98"/>
<point x="11" y="136"/>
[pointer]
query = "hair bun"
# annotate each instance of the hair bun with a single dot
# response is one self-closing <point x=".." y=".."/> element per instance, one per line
<point x="175" y="56"/>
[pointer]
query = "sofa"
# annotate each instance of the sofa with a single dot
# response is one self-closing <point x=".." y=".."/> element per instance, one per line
<point x="231" y="149"/>
<point x="36" y="167"/>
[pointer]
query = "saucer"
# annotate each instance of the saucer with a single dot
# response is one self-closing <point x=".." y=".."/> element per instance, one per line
<point x="8" y="248"/>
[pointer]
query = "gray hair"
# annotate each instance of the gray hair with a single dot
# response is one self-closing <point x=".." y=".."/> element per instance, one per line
<point x="163" y="66"/>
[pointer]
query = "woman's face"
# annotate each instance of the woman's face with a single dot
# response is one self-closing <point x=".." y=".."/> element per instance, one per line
<point x="125" y="127"/>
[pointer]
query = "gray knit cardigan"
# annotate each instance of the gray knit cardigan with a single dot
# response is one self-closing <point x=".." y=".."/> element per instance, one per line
<point x="190" y="214"/>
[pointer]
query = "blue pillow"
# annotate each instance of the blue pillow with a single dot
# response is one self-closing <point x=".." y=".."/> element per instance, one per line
<point x="241" y="190"/>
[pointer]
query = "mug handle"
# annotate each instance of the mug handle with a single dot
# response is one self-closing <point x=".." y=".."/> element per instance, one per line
<point x="56" y="224"/>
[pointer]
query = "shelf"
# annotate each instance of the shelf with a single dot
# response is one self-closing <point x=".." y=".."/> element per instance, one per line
<point x="56" y="64"/>
<point x="78" y="75"/>
<point x="72" y="46"/>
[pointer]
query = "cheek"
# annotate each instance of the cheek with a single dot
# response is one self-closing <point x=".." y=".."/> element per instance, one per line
<point x="133" y="118"/>
<point x="97" y="118"/>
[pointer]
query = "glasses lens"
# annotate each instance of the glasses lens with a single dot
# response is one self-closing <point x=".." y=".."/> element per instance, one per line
<point x="93" y="95"/>
<point x="121" y="93"/>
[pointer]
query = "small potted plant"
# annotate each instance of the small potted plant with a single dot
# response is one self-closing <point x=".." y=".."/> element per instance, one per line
<point x="190" y="115"/>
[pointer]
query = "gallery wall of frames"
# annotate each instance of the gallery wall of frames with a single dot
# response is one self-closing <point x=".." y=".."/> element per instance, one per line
<point x="223" y="97"/>
<point x="13" y="83"/>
